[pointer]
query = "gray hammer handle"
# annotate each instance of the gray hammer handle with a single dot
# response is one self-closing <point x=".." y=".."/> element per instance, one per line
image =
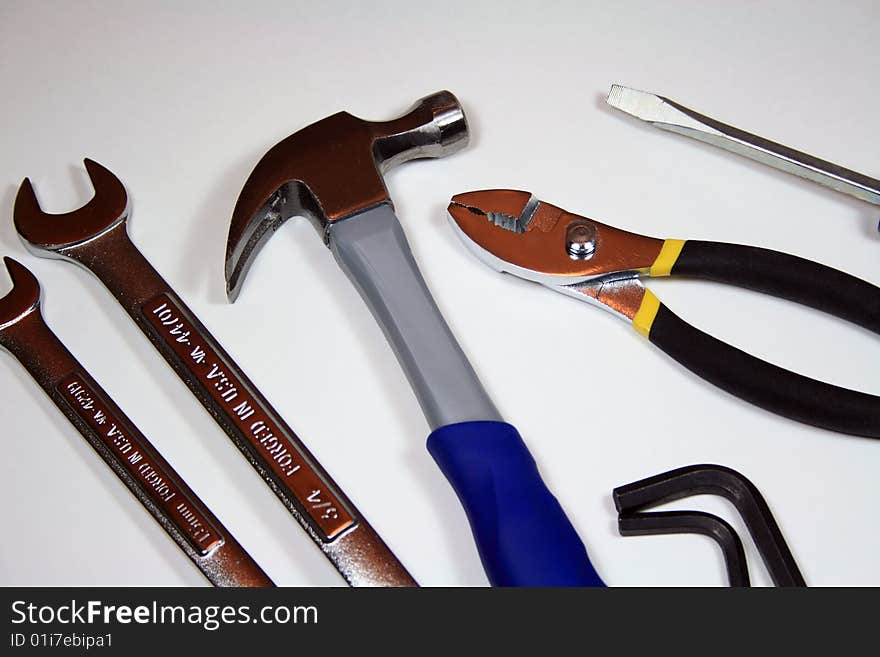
<point x="521" y="531"/>
<point x="372" y="250"/>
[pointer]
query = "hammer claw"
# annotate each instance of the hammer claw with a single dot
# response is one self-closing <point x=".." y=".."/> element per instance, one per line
<point x="332" y="169"/>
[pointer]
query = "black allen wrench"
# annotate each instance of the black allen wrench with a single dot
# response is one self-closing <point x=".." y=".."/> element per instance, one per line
<point x="632" y="499"/>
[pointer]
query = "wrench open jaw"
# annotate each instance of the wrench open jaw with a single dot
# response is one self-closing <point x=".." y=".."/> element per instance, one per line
<point x="23" y="298"/>
<point x="45" y="231"/>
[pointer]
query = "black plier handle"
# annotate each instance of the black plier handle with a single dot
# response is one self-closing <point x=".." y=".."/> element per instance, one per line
<point x="752" y="379"/>
<point x="514" y="232"/>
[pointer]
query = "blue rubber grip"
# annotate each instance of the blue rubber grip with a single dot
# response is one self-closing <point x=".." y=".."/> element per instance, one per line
<point x="522" y="533"/>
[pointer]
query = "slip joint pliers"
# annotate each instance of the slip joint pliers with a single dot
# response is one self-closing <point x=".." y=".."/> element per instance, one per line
<point x="514" y="232"/>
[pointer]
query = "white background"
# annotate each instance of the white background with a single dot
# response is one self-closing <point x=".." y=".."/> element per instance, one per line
<point x="181" y="99"/>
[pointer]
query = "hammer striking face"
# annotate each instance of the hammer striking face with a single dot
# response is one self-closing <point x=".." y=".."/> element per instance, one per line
<point x="333" y="169"/>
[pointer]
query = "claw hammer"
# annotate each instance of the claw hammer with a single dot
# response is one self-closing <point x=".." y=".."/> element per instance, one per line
<point x="331" y="172"/>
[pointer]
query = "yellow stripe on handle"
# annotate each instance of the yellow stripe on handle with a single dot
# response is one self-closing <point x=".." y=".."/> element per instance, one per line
<point x="669" y="253"/>
<point x="646" y="313"/>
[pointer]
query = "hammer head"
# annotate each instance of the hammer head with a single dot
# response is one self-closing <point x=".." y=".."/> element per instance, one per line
<point x="333" y="169"/>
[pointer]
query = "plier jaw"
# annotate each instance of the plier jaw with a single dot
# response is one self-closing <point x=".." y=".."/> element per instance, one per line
<point x="544" y="243"/>
<point x="514" y="232"/>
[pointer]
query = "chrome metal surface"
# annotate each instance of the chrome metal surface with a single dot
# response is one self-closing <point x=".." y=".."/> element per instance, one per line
<point x="162" y="492"/>
<point x="540" y="253"/>
<point x="549" y="260"/>
<point x="621" y="296"/>
<point x="267" y="442"/>
<point x="669" y="115"/>
<point x="580" y="239"/>
<point x="333" y="169"/>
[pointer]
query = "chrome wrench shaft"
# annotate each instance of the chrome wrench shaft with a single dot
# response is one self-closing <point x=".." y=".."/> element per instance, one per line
<point x="164" y="494"/>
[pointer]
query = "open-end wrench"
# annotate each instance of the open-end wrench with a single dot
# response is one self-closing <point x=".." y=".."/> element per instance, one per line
<point x="129" y="454"/>
<point x="96" y="237"/>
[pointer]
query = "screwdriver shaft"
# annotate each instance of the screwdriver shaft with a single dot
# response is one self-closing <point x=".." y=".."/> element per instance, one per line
<point x="669" y="115"/>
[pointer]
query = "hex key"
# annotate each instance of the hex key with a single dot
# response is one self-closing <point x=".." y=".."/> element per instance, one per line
<point x="733" y="486"/>
<point x="692" y="522"/>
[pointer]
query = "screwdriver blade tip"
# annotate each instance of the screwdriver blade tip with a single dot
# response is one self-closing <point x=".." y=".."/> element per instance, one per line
<point x="641" y="104"/>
